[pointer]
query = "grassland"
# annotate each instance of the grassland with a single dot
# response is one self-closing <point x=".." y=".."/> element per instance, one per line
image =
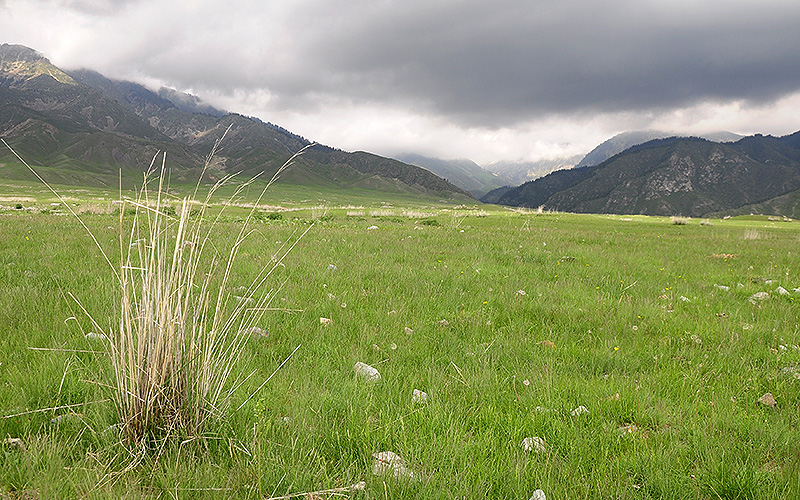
<point x="508" y="321"/>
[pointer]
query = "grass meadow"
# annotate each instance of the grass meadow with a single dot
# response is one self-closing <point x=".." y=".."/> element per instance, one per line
<point x="508" y="321"/>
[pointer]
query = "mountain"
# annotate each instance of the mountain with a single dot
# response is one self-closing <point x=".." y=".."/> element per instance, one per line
<point x="625" y="140"/>
<point x="519" y="172"/>
<point x="465" y="174"/>
<point x="677" y="176"/>
<point x="81" y="121"/>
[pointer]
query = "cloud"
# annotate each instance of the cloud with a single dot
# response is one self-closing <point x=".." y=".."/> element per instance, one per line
<point x="96" y="7"/>
<point x="490" y="69"/>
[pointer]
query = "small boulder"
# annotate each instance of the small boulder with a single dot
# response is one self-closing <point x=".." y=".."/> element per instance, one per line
<point x="768" y="400"/>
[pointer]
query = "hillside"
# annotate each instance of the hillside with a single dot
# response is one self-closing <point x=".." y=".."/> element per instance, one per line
<point x="465" y="174"/>
<point x="677" y="176"/>
<point x="84" y="122"/>
<point x="625" y="140"/>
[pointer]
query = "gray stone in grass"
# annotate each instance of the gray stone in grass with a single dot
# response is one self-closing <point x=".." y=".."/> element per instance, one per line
<point x="534" y="443"/>
<point x="768" y="400"/>
<point x="759" y="296"/>
<point x="581" y="410"/>
<point x="419" y="397"/>
<point x="722" y="287"/>
<point x="95" y="336"/>
<point x="388" y="463"/>
<point x="782" y="290"/>
<point x="256" y="331"/>
<point x="367" y="372"/>
<point x="64" y="418"/>
<point x="538" y="495"/>
<point x="15" y="443"/>
<point x="332" y="267"/>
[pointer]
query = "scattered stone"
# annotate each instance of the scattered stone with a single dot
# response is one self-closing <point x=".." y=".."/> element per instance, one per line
<point x="759" y="296"/>
<point x="325" y="321"/>
<point x="419" y="397"/>
<point x="628" y="429"/>
<point x="332" y="267"/>
<point x="95" y="336"/>
<point x="782" y="291"/>
<point x="370" y="228"/>
<point x="722" y="287"/>
<point x="367" y="372"/>
<point x="64" y="418"/>
<point x="443" y="322"/>
<point x="581" y="410"/>
<point x="768" y="400"/>
<point x="15" y="443"/>
<point x="539" y="494"/>
<point x="113" y="428"/>
<point x="256" y="331"/>
<point x="392" y="313"/>
<point x="360" y="486"/>
<point x="388" y="463"/>
<point x="521" y="292"/>
<point x="684" y="299"/>
<point x="408" y="331"/>
<point x="534" y="443"/>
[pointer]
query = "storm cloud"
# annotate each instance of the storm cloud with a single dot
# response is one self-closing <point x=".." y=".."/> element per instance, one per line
<point x="490" y="66"/>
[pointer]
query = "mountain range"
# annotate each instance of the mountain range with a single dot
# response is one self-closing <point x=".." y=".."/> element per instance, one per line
<point x="81" y="121"/>
<point x="677" y="176"/>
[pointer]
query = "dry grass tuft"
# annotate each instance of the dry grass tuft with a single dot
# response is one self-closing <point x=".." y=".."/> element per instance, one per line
<point x="177" y="345"/>
<point x="176" y="351"/>
<point x="751" y="234"/>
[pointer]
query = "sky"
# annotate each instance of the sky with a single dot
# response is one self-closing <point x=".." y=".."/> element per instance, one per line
<point x="486" y="80"/>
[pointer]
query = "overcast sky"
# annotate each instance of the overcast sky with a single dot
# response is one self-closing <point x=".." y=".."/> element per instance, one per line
<point x="485" y="80"/>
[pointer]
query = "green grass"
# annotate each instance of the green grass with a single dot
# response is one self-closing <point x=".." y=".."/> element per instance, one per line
<point x="620" y="316"/>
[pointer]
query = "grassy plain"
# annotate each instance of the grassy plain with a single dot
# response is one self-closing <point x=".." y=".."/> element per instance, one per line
<point x="508" y="321"/>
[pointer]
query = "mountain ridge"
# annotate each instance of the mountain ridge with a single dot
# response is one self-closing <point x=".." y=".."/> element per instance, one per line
<point x="675" y="176"/>
<point x="82" y="120"/>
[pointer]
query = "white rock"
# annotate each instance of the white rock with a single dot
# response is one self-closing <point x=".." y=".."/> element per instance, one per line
<point x="95" y="336"/>
<point x="538" y="495"/>
<point x="325" y="321"/>
<point x="534" y="443"/>
<point x="759" y="296"/>
<point x="332" y="267"/>
<point x="722" y="287"/>
<point x="419" y="397"/>
<point x="367" y="372"/>
<point x="581" y="410"/>
<point x="370" y="228"/>
<point x="388" y="463"/>
<point x="256" y="331"/>
<point x="684" y="299"/>
<point x="782" y="290"/>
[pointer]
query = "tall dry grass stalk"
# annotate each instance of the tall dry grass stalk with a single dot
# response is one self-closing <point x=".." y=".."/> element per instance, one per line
<point x="180" y="338"/>
<point x="176" y="352"/>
